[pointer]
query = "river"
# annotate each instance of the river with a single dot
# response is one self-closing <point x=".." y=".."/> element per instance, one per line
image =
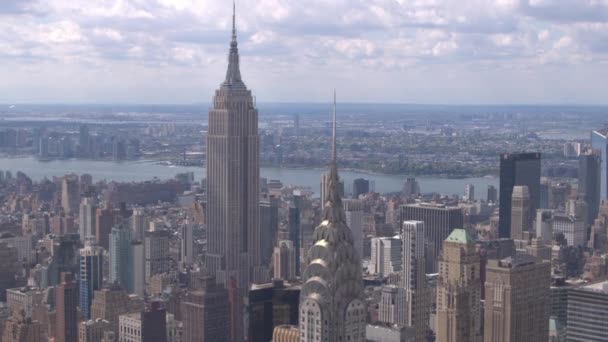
<point x="146" y="170"/>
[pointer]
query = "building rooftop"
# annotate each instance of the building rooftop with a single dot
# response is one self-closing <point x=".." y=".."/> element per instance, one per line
<point x="600" y="287"/>
<point x="460" y="236"/>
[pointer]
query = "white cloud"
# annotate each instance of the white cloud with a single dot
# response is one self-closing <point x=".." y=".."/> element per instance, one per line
<point x="317" y="40"/>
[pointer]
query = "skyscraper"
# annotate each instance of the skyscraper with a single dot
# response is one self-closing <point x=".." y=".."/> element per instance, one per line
<point x="354" y="219"/>
<point x="67" y="313"/>
<point x="269" y="227"/>
<point x="204" y="311"/>
<point x="284" y="260"/>
<point x="187" y="244"/>
<point x="459" y="290"/>
<point x="587" y="313"/>
<point x="521" y="221"/>
<point x="469" y="192"/>
<point x="599" y="142"/>
<point x="104" y="221"/>
<point x="121" y="257"/>
<point x="517" y="299"/>
<point x="517" y="169"/>
<point x="295" y="230"/>
<point x="90" y="276"/>
<point x="439" y="222"/>
<point x="156" y="247"/>
<point x="414" y="277"/>
<point x="87" y="218"/>
<point x="360" y="187"/>
<point x="386" y="257"/>
<point x="70" y="196"/>
<point x="233" y="180"/>
<point x="331" y="301"/>
<point x="492" y="196"/>
<point x="589" y="180"/>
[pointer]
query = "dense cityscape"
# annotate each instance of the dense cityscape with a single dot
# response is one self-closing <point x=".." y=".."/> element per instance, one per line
<point x="224" y="253"/>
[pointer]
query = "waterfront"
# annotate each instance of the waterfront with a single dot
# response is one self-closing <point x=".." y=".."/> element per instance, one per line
<point x="129" y="171"/>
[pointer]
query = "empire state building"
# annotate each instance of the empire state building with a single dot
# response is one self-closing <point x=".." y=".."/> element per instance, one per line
<point x="233" y="173"/>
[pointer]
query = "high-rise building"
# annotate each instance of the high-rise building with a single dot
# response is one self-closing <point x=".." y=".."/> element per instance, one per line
<point x="599" y="230"/>
<point x="93" y="330"/>
<point x="121" y="257"/>
<point x="149" y="325"/>
<point x="204" y="311"/>
<point x="411" y="188"/>
<point x="386" y="256"/>
<point x="104" y="221"/>
<point x="158" y="259"/>
<point x="70" y="194"/>
<point x="233" y="181"/>
<point x="521" y="221"/>
<point x="354" y="211"/>
<point x="360" y="187"/>
<point x="271" y="305"/>
<point x="331" y="301"/>
<point x="587" y="313"/>
<point x="139" y="267"/>
<point x="90" y="276"/>
<point x="439" y="222"/>
<point x="492" y="196"/>
<point x="517" y="169"/>
<point x="21" y="329"/>
<point x="110" y="303"/>
<point x="459" y="290"/>
<point x="88" y="218"/>
<point x="469" y="193"/>
<point x="186" y="250"/>
<point x="9" y="266"/>
<point x="284" y="260"/>
<point x="393" y="305"/>
<point x="599" y="142"/>
<point x="66" y="307"/>
<point x="414" y="277"/>
<point x="573" y="228"/>
<point x="269" y="226"/>
<point x="295" y="230"/>
<point x="589" y="180"/>
<point x="544" y="226"/>
<point x="517" y="299"/>
<point x="139" y="224"/>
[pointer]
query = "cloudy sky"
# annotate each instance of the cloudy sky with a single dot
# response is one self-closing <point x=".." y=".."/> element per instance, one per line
<point x="406" y="51"/>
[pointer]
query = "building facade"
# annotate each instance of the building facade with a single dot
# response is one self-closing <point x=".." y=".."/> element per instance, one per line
<point x="587" y="313"/>
<point x="386" y="256"/>
<point x="599" y="142"/>
<point x="90" y="276"/>
<point x="517" y="169"/>
<point x="439" y="222"/>
<point x="67" y="311"/>
<point x="414" y="278"/>
<point x="521" y="221"/>
<point x="121" y="257"/>
<point x="517" y="302"/>
<point x="459" y="290"/>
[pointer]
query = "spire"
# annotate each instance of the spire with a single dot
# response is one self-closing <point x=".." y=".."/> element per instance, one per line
<point x="334" y="212"/>
<point x="233" y="21"/>
<point x="334" y="156"/>
<point x="233" y="74"/>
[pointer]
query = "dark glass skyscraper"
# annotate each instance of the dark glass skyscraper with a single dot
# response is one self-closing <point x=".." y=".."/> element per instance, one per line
<point x="517" y="169"/>
<point x="589" y="179"/>
<point x="599" y="142"/>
